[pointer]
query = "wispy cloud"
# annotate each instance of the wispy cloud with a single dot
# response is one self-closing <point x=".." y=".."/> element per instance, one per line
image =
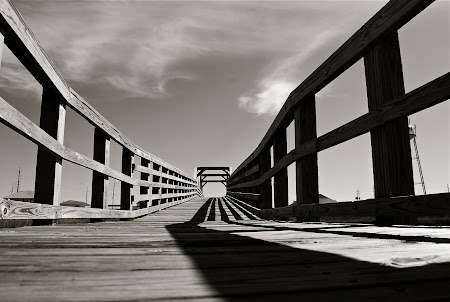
<point x="137" y="47"/>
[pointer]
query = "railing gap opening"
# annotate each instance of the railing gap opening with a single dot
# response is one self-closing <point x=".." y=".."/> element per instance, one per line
<point x="80" y="190"/>
<point x="425" y="45"/>
<point x="78" y="134"/>
<point x="25" y="159"/>
<point x="343" y="100"/>
<point x="345" y="169"/>
<point x="23" y="91"/>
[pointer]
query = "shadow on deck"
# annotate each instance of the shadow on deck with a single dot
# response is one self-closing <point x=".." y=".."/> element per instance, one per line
<point x="240" y="268"/>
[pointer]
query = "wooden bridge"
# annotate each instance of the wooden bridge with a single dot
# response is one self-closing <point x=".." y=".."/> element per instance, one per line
<point x="170" y="243"/>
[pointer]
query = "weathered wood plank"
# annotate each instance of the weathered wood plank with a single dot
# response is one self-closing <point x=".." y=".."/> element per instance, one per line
<point x="11" y="209"/>
<point x="253" y="170"/>
<point x="280" y="179"/>
<point x="307" y="176"/>
<point x="151" y="171"/>
<point x="159" y="196"/>
<point x="99" y="195"/>
<point x="421" y="98"/>
<point x="125" y="188"/>
<point x="251" y="196"/>
<point x="49" y="166"/>
<point x="12" y="118"/>
<point x="391" y="149"/>
<point x="389" y="19"/>
<point x="281" y="212"/>
<point x="22" y="42"/>
<point x="422" y="205"/>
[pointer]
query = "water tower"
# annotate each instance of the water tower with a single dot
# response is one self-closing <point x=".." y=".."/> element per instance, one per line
<point x="412" y="137"/>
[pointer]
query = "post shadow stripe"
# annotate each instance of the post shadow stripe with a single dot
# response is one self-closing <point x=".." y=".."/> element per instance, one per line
<point x="212" y="211"/>
<point x="201" y="213"/>
<point x="223" y="214"/>
<point x="243" y="210"/>
<point x="232" y="210"/>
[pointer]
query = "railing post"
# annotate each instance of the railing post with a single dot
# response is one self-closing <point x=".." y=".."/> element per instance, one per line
<point x="48" y="166"/>
<point x="142" y="189"/>
<point x="2" y="45"/>
<point x="266" y="187"/>
<point x="306" y="167"/>
<point x="391" y="150"/>
<point x="125" y="188"/>
<point x="281" y="178"/>
<point x="99" y="196"/>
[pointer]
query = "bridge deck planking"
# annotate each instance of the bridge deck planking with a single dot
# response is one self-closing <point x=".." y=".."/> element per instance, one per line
<point x="164" y="256"/>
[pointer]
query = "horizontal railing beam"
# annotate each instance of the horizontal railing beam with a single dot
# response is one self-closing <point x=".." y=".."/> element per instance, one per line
<point x="390" y="18"/>
<point x="421" y="206"/>
<point x="253" y="170"/>
<point x="25" y="210"/>
<point x="12" y="118"/>
<point x="22" y="42"/>
<point x="419" y="99"/>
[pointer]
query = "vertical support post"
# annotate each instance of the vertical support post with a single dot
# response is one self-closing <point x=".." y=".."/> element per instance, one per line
<point x="125" y="188"/>
<point x="281" y="178"/>
<point x="266" y="187"/>
<point x="99" y="196"/>
<point x="48" y="166"/>
<point x="306" y="167"/>
<point x="2" y="40"/>
<point x="391" y="150"/>
<point x="144" y="190"/>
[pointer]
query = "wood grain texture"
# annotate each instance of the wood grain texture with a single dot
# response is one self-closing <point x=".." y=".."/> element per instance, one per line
<point x="239" y="195"/>
<point x="12" y="118"/>
<point x="280" y="179"/>
<point x="307" y="178"/>
<point x="253" y="170"/>
<point x="391" y="149"/>
<point x="99" y="194"/>
<point x="11" y="209"/>
<point x="419" y="99"/>
<point x="48" y="166"/>
<point x="421" y="206"/>
<point x="125" y="188"/>
<point x="389" y="19"/>
<point x="178" y="255"/>
<point x="151" y="171"/>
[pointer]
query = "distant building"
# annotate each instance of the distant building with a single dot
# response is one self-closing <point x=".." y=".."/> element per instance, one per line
<point x="25" y="196"/>
<point x="324" y="199"/>
<point x="75" y="203"/>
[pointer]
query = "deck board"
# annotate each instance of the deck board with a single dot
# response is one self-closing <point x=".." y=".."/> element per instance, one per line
<point x="178" y="254"/>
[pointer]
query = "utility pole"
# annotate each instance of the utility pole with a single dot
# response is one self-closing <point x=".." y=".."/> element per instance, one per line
<point x="18" y="181"/>
<point x="87" y="189"/>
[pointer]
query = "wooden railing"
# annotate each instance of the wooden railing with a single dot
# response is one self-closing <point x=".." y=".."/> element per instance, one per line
<point x="161" y="184"/>
<point x="377" y="43"/>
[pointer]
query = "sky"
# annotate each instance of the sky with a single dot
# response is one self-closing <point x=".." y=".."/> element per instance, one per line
<point x="198" y="83"/>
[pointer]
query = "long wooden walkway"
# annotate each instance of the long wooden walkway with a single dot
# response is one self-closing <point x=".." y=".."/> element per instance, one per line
<point x="213" y="250"/>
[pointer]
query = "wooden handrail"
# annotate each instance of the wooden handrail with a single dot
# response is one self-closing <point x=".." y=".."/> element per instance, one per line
<point x="173" y="185"/>
<point x="377" y="43"/>
<point x="390" y="18"/>
<point x="423" y="205"/>
<point x="419" y="99"/>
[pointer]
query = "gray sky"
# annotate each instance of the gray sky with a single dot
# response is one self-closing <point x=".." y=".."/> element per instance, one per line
<point x="198" y="83"/>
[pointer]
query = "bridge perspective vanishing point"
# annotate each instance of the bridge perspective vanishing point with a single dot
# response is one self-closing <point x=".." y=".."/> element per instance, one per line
<point x="171" y="243"/>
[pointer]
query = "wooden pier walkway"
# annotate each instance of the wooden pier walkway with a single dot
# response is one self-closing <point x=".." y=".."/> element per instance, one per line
<point x="181" y="246"/>
<point x="213" y="250"/>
